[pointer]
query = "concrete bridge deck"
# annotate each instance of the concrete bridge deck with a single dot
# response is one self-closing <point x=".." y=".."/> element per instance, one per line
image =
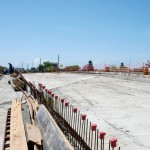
<point x="118" y="106"/>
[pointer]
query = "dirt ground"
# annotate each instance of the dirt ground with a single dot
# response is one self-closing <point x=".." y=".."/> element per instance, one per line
<point x="118" y="105"/>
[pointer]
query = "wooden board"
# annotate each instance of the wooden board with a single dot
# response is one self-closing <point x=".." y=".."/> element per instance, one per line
<point x="33" y="133"/>
<point x="17" y="83"/>
<point x="34" y="103"/>
<point x="17" y="132"/>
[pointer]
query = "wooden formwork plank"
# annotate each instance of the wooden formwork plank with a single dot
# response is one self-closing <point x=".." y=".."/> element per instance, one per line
<point x="17" y="132"/>
<point x="17" y="83"/>
<point x="31" y="111"/>
<point x="33" y="133"/>
<point x="34" y="103"/>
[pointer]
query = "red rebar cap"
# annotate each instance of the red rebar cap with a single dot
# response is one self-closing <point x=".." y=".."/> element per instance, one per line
<point x="66" y="104"/>
<point x="43" y="87"/>
<point x="53" y="95"/>
<point x="83" y="116"/>
<point x="46" y="90"/>
<point x="93" y="127"/>
<point x="56" y="97"/>
<point x="74" y="110"/>
<point x="113" y="142"/>
<point x="49" y="91"/>
<point x="102" y="134"/>
<point x="62" y="100"/>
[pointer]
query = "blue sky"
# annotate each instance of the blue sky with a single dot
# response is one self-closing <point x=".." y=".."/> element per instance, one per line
<point x="104" y="31"/>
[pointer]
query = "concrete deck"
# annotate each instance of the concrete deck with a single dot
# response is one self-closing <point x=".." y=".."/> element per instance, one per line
<point x="121" y="107"/>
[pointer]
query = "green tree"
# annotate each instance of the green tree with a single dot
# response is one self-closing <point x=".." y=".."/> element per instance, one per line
<point x="46" y="67"/>
<point x="41" y="68"/>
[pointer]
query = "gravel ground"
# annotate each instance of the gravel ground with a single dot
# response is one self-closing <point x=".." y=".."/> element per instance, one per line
<point x="118" y="104"/>
<point x="7" y="94"/>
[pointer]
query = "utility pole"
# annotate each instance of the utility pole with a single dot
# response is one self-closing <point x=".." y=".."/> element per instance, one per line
<point x="58" y="63"/>
<point x="40" y="61"/>
<point x="40" y="70"/>
<point x="32" y="63"/>
<point x="22" y="67"/>
<point x="27" y="67"/>
<point x="32" y="66"/>
<point x="129" y="66"/>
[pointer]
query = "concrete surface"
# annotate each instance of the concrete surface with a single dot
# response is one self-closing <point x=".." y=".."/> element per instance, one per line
<point x="7" y="94"/>
<point x="119" y="105"/>
<point x="53" y="137"/>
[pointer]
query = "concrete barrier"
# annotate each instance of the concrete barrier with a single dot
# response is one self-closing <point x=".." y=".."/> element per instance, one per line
<point x="53" y="138"/>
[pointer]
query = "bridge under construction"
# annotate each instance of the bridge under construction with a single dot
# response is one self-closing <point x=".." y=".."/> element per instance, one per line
<point x="77" y="111"/>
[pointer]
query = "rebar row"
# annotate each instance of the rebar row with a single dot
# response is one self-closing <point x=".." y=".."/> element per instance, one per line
<point x="80" y="132"/>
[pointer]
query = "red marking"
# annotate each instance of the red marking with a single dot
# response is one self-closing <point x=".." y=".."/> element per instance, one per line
<point x="66" y="104"/>
<point x="93" y="127"/>
<point x="49" y="91"/>
<point x="74" y="110"/>
<point x="56" y="97"/>
<point x="113" y="142"/>
<point x="102" y="134"/>
<point x="83" y="116"/>
<point x="62" y="100"/>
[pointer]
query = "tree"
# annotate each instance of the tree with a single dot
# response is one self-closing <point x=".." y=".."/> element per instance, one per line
<point x="61" y="66"/>
<point x="72" y="68"/>
<point x="41" y="68"/>
<point x="113" y="68"/>
<point x="46" y="66"/>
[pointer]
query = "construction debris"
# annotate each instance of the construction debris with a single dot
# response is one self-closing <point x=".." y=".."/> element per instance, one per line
<point x="22" y="131"/>
<point x="17" y="83"/>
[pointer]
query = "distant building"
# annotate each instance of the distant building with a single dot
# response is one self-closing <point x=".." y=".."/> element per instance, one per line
<point x="55" y="65"/>
<point x="20" y="69"/>
<point x="88" y="67"/>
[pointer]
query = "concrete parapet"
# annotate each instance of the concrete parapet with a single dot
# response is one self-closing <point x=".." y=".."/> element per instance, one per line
<point x="53" y="138"/>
